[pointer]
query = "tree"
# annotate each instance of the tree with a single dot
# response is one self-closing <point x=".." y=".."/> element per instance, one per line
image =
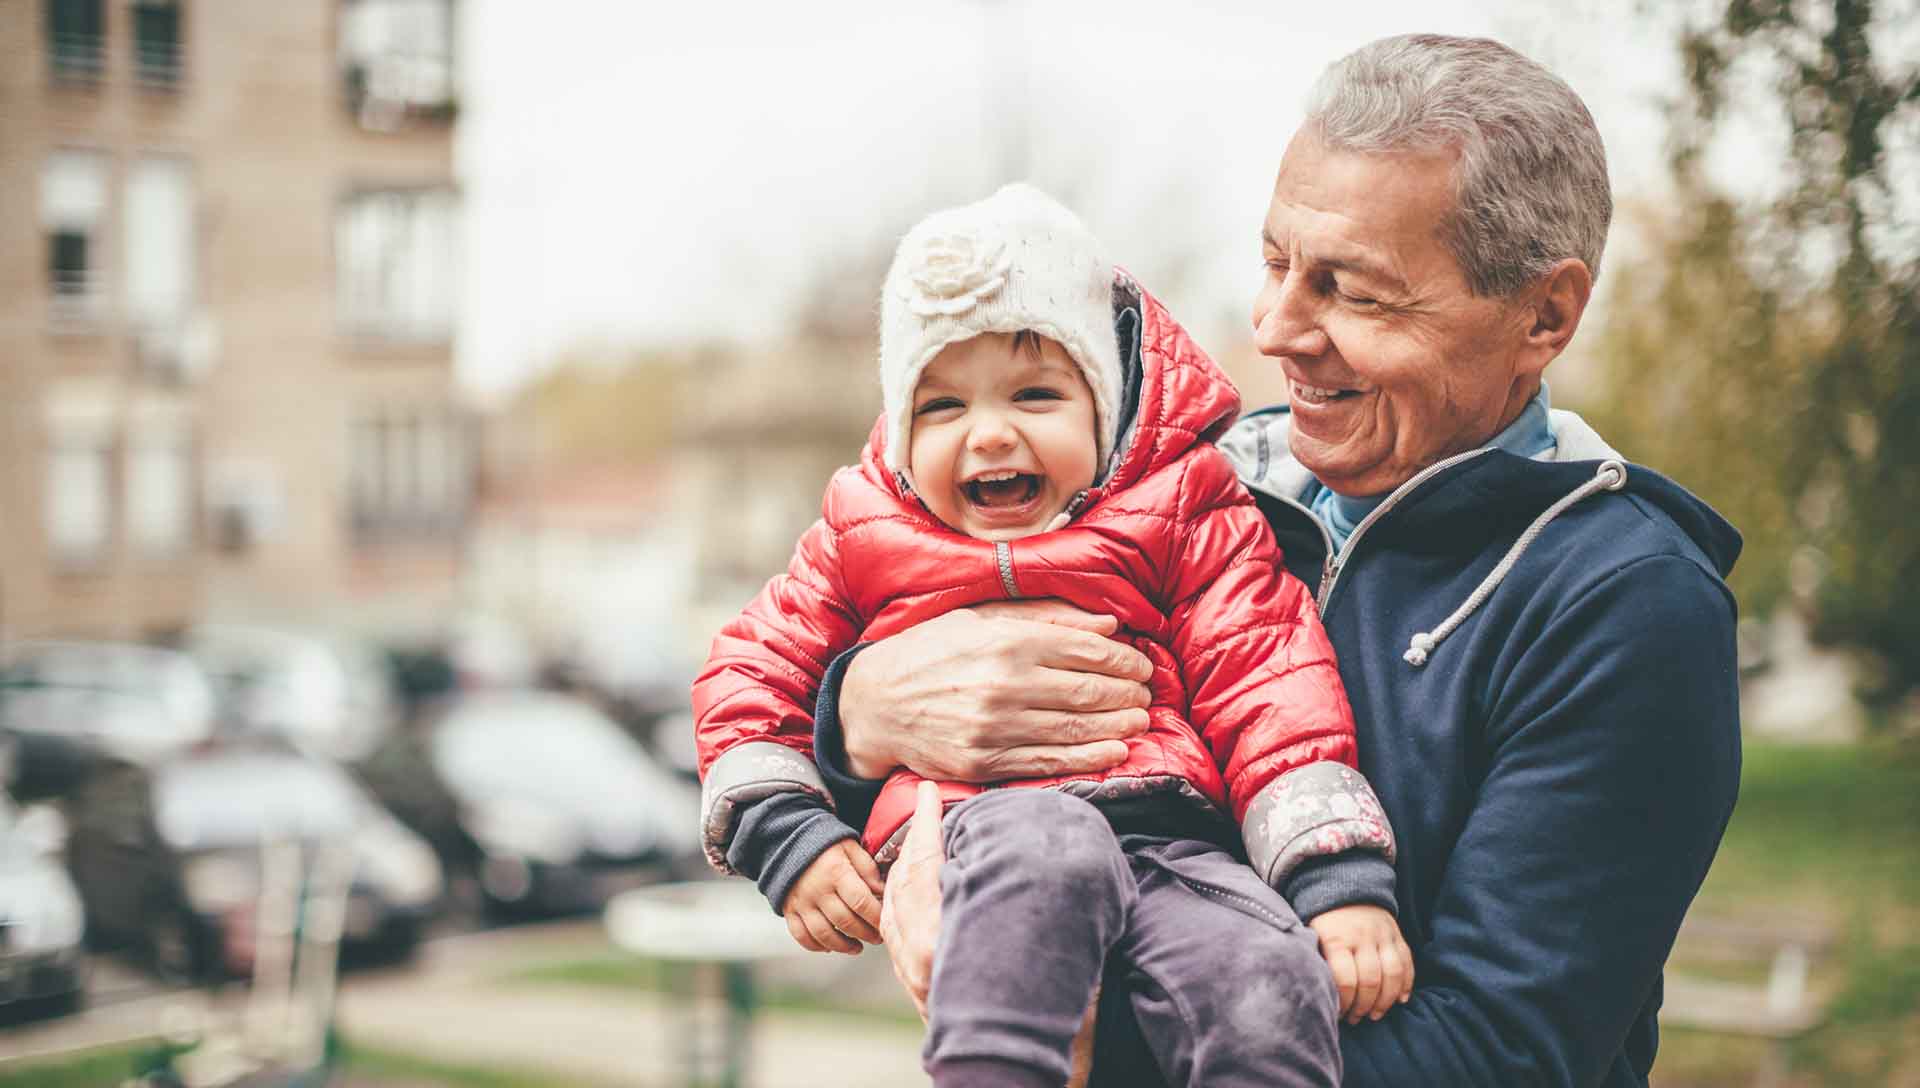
<point x="1770" y="355"/>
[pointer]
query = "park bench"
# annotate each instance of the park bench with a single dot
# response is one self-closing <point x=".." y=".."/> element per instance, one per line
<point x="1780" y="1008"/>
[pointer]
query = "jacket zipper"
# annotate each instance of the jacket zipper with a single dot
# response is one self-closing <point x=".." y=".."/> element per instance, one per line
<point x="1003" y="555"/>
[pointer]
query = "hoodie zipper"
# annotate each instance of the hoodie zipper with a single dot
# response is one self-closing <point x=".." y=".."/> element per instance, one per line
<point x="1330" y="573"/>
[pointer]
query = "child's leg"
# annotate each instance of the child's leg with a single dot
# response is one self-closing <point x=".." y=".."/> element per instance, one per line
<point x="1227" y="984"/>
<point x="1033" y="893"/>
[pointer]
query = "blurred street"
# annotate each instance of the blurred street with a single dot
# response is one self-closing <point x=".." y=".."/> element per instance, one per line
<point x="467" y="998"/>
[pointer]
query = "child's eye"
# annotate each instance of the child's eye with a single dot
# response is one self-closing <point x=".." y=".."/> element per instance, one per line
<point x="938" y="404"/>
<point x="1038" y="392"/>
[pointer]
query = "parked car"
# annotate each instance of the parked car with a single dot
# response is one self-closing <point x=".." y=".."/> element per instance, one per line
<point x="327" y="697"/>
<point x="168" y="858"/>
<point x="42" y="924"/>
<point x="73" y="706"/>
<point x="564" y="806"/>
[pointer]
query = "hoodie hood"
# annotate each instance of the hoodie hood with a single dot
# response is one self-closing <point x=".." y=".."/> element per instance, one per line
<point x="1500" y="482"/>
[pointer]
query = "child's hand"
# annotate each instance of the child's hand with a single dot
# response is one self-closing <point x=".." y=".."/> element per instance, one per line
<point x="1371" y="962"/>
<point x="836" y="903"/>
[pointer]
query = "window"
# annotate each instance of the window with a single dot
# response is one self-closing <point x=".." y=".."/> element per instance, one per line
<point x="73" y="199"/>
<point x="396" y="61"/>
<point x="407" y="473"/>
<point x="160" y="249"/>
<point x="160" y="488"/>
<point x="79" y="499"/>
<point x="395" y="253"/>
<point x="158" y="53"/>
<point x="76" y="33"/>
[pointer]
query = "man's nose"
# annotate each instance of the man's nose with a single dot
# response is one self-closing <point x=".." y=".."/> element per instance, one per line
<point x="1286" y="320"/>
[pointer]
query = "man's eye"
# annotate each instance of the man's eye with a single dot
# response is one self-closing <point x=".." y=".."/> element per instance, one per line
<point x="1038" y="392"/>
<point x="937" y="404"/>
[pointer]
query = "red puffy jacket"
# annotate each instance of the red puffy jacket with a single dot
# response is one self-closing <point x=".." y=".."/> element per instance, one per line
<point x="1245" y="688"/>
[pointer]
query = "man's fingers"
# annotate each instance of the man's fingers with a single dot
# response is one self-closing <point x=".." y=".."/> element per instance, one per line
<point x="849" y="923"/>
<point x="1050" y="760"/>
<point x="1366" y="961"/>
<point x="800" y="935"/>
<point x="1051" y="610"/>
<point x="1084" y="652"/>
<point x="923" y="834"/>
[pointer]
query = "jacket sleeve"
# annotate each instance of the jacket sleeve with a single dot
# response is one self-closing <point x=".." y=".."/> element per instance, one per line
<point x="753" y="702"/>
<point x="1613" y="755"/>
<point x="1265" y="691"/>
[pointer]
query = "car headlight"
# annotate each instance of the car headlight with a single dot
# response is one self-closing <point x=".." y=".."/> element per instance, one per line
<point x="217" y="883"/>
<point x="400" y="866"/>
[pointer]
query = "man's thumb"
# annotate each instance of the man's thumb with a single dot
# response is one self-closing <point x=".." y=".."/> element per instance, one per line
<point x="924" y="836"/>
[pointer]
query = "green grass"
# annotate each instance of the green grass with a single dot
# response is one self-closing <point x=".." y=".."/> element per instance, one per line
<point x="1831" y="832"/>
<point x="85" y="1069"/>
<point x="375" y="1063"/>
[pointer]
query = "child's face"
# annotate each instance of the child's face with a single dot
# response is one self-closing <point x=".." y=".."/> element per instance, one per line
<point x="1002" y="438"/>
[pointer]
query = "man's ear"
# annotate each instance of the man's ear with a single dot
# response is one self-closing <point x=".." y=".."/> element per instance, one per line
<point x="1556" y="303"/>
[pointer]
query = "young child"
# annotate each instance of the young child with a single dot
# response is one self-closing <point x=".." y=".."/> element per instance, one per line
<point x="1048" y="433"/>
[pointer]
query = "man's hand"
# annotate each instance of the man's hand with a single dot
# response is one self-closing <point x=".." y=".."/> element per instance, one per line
<point x="910" y="910"/>
<point x="1371" y="962"/>
<point x="836" y="903"/>
<point x="1013" y="690"/>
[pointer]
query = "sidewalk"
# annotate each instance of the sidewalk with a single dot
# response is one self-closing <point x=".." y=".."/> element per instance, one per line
<point x="455" y="1006"/>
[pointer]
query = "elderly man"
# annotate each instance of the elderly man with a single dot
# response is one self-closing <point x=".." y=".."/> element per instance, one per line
<point x="1535" y="634"/>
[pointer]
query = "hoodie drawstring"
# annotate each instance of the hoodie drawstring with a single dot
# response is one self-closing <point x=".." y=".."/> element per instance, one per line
<point x="1612" y="476"/>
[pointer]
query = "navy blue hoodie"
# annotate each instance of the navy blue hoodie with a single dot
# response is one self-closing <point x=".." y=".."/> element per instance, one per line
<point x="1540" y="655"/>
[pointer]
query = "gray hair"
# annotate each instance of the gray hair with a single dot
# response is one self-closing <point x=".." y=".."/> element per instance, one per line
<point x="1531" y="180"/>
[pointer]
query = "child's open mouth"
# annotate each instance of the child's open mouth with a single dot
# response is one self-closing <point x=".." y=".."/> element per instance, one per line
<point x="1002" y="490"/>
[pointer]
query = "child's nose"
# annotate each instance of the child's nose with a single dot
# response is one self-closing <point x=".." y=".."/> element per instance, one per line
<point x="991" y="432"/>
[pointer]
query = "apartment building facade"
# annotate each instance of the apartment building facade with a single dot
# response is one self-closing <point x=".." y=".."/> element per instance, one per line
<point x="227" y="273"/>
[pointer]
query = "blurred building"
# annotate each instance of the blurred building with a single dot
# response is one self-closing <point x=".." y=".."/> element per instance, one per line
<point x="226" y="302"/>
<point x="765" y="431"/>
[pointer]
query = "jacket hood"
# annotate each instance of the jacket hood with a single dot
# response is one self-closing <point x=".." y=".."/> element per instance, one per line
<point x="1174" y="397"/>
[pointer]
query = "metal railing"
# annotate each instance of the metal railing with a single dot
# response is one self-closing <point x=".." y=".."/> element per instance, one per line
<point x="79" y="297"/>
<point x="159" y="65"/>
<point x="77" y="58"/>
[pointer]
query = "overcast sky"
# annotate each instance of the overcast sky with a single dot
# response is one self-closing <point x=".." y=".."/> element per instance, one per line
<point x="658" y="174"/>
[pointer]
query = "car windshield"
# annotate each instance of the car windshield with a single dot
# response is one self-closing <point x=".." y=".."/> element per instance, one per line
<point x="518" y="743"/>
<point x="131" y="674"/>
<point x="241" y="799"/>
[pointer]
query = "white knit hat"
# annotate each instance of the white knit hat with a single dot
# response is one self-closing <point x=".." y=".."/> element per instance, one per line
<point x="1016" y="260"/>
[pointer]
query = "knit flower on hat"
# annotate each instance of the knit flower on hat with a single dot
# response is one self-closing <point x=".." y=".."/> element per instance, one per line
<point x="955" y="273"/>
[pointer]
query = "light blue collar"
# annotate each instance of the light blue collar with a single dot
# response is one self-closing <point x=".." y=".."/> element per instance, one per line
<point x="1531" y="435"/>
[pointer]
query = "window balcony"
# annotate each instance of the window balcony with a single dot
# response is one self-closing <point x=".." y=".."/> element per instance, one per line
<point x="77" y="59"/>
<point x="78" y="300"/>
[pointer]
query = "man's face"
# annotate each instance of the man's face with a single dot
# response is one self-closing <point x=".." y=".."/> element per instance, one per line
<point x="1392" y="362"/>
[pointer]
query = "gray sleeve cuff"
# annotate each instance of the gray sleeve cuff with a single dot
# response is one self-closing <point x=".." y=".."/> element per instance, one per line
<point x="746" y="775"/>
<point x="1343" y="880"/>
<point x="1313" y="811"/>
<point x="776" y="839"/>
